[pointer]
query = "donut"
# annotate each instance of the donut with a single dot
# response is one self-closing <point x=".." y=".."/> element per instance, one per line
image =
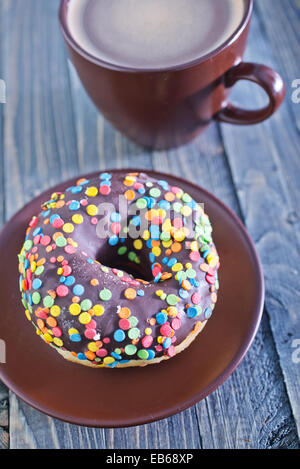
<point x="119" y="270"/>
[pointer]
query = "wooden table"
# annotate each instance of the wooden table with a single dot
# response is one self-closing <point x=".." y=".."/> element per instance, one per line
<point x="50" y="131"/>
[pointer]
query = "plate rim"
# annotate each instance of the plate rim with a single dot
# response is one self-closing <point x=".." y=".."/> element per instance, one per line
<point x="227" y="372"/>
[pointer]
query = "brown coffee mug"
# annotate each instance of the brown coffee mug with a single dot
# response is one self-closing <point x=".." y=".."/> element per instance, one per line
<point x="165" y="108"/>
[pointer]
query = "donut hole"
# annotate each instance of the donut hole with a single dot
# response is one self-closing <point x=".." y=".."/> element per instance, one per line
<point x="111" y="258"/>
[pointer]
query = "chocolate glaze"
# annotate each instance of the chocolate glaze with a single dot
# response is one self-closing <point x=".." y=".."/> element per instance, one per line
<point x="93" y="250"/>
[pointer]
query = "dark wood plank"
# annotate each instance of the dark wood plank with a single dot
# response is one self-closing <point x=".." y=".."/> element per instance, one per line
<point x="65" y="136"/>
<point x="268" y="189"/>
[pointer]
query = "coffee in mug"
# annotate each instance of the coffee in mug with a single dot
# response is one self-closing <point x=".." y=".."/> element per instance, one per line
<point x="152" y="33"/>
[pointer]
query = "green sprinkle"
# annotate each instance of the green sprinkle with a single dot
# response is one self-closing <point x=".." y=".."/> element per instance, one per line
<point x="134" y="333"/>
<point x="86" y="305"/>
<point x="48" y="301"/>
<point x="165" y="236"/>
<point x="133" y="321"/>
<point x="132" y="256"/>
<point x="155" y="192"/>
<point x="177" y="206"/>
<point x="143" y="354"/>
<point x="122" y="250"/>
<point x="141" y="203"/>
<point x="28" y="244"/>
<point x="39" y="270"/>
<point x="61" y="242"/>
<point x="191" y="273"/>
<point x="130" y="349"/>
<point x="186" y="198"/>
<point x="105" y="294"/>
<point x="172" y="300"/>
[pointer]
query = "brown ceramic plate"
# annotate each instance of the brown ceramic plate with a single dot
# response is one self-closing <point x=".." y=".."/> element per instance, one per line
<point x="132" y="396"/>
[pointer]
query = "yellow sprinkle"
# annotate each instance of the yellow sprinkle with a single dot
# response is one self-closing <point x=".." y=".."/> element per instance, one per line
<point x="179" y="235"/>
<point x="73" y="331"/>
<point x="148" y="331"/>
<point x="177" y="267"/>
<point x="108" y="360"/>
<point x="47" y="337"/>
<point x="146" y="235"/>
<point x="59" y="271"/>
<point x="159" y="292"/>
<point x="68" y="228"/>
<point x="138" y="244"/>
<point x="55" y="311"/>
<point x="33" y="266"/>
<point x="188" y="265"/>
<point x="172" y="311"/>
<point x="167" y="244"/>
<point x="75" y="309"/>
<point x="85" y="318"/>
<point x="92" y="210"/>
<point x="93" y="347"/>
<point x="91" y="191"/>
<point x="28" y="315"/>
<point x="77" y="219"/>
<point x="58" y="342"/>
<point x="156" y="251"/>
<point x="160" y="339"/>
<point x="186" y="211"/>
<point x="98" y="310"/>
<point x="194" y="246"/>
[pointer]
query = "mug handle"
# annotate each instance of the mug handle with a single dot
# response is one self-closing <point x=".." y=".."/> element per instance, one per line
<point x="265" y="77"/>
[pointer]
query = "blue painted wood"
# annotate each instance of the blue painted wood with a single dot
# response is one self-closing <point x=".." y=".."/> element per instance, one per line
<point x="51" y="131"/>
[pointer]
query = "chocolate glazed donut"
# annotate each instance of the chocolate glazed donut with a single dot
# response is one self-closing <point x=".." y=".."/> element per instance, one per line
<point x="119" y="271"/>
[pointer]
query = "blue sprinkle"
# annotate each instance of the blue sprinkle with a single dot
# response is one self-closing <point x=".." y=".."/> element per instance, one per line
<point x="62" y="279"/>
<point x="70" y="281"/>
<point x="157" y="278"/>
<point x="165" y="260"/>
<point x="140" y="293"/>
<point x="154" y="232"/>
<point x="113" y="240"/>
<point x="164" y="204"/>
<point x="105" y="176"/>
<point x="116" y="356"/>
<point x="119" y="335"/>
<point x="26" y="264"/>
<point x="207" y="313"/>
<point x="78" y="290"/>
<point x="76" y="189"/>
<point x="141" y="190"/>
<point x="46" y="214"/>
<point x="136" y="221"/>
<point x="84" y="183"/>
<point x="151" y="354"/>
<point x="75" y="337"/>
<point x="149" y="244"/>
<point x="161" y="318"/>
<point x="115" y="217"/>
<point x="124" y="361"/>
<point x="81" y="356"/>
<point x="54" y="217"/>
<point x="191" y="312"/>
<point x="105" y="183"/>
<point x="37" y="231"/>
<point x="74" y="205"/>
<point x="205" y="254"/>
<point x="30" y="300"/>
<point x="183" y="293"/>
<point x="112" y="365"/>
<point x="90" y="261"/>
<point x="151" y="257"/>
<point x="172" y="262"/>
<point x="167" y="342"/>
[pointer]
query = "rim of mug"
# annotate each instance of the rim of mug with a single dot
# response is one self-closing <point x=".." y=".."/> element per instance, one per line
<point x="112" y="66"/>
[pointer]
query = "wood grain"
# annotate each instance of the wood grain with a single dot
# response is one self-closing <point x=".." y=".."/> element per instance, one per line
<point x="51" y="131"/>
<point x="268" y="189"/>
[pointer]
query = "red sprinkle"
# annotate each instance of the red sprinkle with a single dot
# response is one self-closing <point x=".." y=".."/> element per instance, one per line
<point x="62" y="290"/>
<point x="171" y="351"/>
<point x="101" y="353"/>
<point x="57" y="332"/>
<point x="45" y="240"/>
<point x="58" y="223"/>
<point x="196" y="298"/>
<point x="166" y="330"/>
<point x="147" y="341"/>
<point x="176" y="324"/>
<point x="124" y="324"/>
